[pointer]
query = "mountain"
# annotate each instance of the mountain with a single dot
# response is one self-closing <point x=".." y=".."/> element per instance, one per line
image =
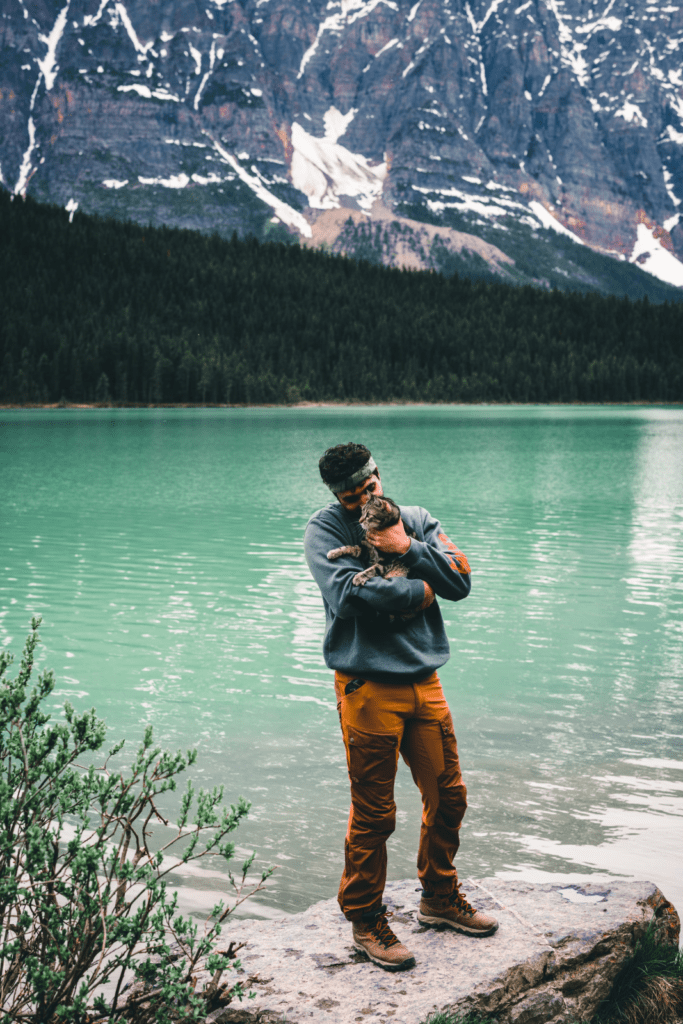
<point x="450" y="130"/>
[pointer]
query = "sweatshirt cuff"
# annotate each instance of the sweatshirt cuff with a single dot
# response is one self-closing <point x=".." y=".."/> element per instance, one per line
<point x="417" y="594"/>
<point x="413" y="554"/>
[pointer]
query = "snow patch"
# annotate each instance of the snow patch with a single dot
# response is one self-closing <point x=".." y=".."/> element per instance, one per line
<point x="650" y="255"/>
<point x="324" y="170"/>
<point x="476" y="29"/>
<point x="669" y="187"/>
<point x="212" y="59"/>
<point x="548" y="221"/>
<point x="630" y="112"/>
<point x="285" y="212"/>
<point x="147" y="93"/>
<point x="128" y="25"/>
<point x="92" y="19"/>
<point x="48" y="64"/>
<point x="611" y="24"/>
<point x="212" y="179"/>
<point x="175" y="181"/>
<point x="114" y="183"/>
<point x="71" y="208"/>
<point x="491" y="10"/>
<point x="336" y="123"/>
<point x="570" y="49"/>
<point x="334" y="23"/>
<point x="465" y="202"/>
<point x="197" y="57"/>
<point x="671" y="222"/>
<point x="387" y="46"/>
<point x="413" y="10"/>
<point x="361" y="9"/>
<point x="25" y="169"/>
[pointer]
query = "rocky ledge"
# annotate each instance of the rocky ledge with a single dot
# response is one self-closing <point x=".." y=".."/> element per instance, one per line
<point x="554" y="958"/>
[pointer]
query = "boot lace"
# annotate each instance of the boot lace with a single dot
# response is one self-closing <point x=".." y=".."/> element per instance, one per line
<point x="381" y="930"/>
<point x="458" y="901"/>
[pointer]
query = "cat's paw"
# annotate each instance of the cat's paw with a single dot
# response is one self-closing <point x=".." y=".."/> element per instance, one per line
<point x="361" y="578"/>
<point x="353" y="550"/>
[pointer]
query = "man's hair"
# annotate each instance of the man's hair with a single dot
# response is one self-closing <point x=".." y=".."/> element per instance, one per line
<point x="342" y="461"/>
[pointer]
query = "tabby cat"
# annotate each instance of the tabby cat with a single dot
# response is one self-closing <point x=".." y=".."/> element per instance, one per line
<point x="378" y="514"/>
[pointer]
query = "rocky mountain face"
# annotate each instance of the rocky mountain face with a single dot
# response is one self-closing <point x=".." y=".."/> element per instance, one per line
<point x="265" y="115"/>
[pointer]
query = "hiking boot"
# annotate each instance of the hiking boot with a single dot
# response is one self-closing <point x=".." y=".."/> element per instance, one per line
<point x="375" y="938"/>
<point x="453" y="910"/>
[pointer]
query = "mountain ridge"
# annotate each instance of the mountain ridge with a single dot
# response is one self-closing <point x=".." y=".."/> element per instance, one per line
<point x="238" y="114"/>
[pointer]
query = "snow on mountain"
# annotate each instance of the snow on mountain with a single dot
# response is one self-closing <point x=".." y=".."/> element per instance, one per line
<point x="563" y="114"/>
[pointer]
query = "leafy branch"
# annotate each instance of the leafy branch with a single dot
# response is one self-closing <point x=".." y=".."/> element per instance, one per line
<point x="84" y="899"/>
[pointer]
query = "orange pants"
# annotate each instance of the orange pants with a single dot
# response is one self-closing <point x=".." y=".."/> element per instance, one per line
<point x="378" y="720"/>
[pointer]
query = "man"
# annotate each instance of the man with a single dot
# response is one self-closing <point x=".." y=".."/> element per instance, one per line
<point x="390" y="699"/>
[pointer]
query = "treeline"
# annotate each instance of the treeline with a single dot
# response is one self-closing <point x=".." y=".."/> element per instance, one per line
<point x="104" y="311"/>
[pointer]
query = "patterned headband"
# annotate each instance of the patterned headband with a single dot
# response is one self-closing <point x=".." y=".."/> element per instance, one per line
<point x="352" y="481"/>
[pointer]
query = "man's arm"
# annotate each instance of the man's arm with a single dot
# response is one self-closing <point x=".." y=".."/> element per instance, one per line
<point x="436" y="560"/>
<point x="335" y="579"/>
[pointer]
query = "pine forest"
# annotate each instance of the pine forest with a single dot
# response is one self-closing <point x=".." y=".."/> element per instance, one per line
<point x="100" y="311"/>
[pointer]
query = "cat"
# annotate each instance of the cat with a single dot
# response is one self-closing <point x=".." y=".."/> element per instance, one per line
<point x="378" y="514"/>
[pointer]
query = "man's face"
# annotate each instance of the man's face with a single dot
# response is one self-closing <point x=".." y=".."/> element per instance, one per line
<point x="354" y="499"/>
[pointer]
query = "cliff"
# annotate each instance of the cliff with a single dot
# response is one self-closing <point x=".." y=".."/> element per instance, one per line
<point x="478" y="116"/>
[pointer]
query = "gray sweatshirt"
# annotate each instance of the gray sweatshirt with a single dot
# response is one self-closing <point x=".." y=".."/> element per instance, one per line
<point x="360" y="638"/>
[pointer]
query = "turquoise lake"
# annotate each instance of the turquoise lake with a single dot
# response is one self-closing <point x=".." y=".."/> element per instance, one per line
<point x="163" y="548"/>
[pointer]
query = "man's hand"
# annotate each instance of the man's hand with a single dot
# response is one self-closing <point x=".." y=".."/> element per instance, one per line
<point x="429" y="597"/>
<point x="394" y="540"/>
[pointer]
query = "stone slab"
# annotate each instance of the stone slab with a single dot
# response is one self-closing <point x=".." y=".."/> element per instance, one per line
<point x="553" y="958"/>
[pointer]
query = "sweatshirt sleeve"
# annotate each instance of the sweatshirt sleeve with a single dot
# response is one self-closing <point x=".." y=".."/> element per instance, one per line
<point x="395" y="595"/>
<point x="439" y="562"/>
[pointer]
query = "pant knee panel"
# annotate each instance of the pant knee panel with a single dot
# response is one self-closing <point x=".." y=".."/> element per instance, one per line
<point x="364" y="836"/>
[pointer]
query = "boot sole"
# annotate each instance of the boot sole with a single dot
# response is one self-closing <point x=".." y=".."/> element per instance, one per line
<point x="403" y="966"/>
<point x="476" y="932"/>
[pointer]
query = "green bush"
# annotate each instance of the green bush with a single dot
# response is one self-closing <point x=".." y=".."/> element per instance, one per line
<point x="83" y="897"/>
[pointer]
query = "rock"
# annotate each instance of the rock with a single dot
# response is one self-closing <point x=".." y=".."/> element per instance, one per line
<point x="554" y="958"/>
<point x="222" y="115"/>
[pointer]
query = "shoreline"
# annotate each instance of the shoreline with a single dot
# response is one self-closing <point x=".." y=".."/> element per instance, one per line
<point x="396" y="403"/>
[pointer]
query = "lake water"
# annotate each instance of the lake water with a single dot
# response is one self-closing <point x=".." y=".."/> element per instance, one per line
<point x="163" y="549"/>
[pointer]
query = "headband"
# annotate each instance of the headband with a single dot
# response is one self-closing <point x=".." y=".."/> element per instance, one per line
<point x="352" y="481"/>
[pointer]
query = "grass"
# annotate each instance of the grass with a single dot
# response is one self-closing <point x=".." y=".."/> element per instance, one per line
<point x="648" y="990"/>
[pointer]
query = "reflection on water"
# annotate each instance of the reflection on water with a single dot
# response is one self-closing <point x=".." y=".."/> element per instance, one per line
<point x="164" y="550"/>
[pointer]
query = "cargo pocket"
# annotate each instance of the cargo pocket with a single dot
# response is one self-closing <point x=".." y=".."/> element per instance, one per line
<point x="372" y="757"/>
<point x="372" y="769"/>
